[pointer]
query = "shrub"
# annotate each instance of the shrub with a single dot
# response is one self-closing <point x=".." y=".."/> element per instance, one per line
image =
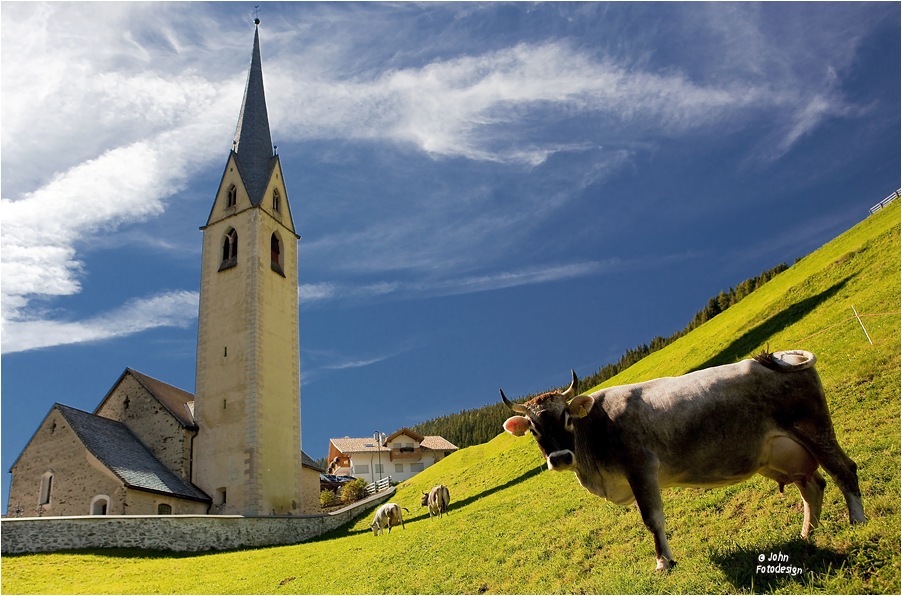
<point x="327" y="498"/>
<point x="353" y="491"/>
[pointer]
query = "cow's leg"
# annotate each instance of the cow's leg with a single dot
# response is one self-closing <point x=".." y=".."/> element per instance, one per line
<point x="812" y="492"/>
<point x="825" y="448"/>
<point x="648" y="498"/>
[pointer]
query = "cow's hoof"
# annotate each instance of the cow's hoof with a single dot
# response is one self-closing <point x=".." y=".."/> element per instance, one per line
<point x="665" y="565"/>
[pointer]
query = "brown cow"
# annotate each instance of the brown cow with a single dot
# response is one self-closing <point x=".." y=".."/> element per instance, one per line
<point x="710" y="428"/>
<point x="438" y="500"/>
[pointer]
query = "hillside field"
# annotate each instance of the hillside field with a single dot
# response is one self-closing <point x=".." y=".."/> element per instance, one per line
<point x="517" y="528"/>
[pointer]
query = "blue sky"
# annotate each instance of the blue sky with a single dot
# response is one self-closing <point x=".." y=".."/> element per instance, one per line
<point x="488" y="194"/>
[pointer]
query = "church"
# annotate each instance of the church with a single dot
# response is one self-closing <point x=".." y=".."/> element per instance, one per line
<point x="234" y="447"/>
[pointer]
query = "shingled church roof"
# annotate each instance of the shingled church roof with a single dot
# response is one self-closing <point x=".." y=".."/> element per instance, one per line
<point x="117" y="447"/>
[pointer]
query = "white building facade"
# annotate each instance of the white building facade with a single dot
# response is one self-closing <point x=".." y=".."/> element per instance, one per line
<point x="402" y="455"/>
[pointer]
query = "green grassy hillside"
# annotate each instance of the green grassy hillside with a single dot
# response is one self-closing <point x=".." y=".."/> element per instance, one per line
<point x="515" y="528"/>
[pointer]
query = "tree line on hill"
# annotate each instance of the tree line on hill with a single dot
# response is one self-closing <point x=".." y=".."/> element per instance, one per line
<point x="479" y="425"/>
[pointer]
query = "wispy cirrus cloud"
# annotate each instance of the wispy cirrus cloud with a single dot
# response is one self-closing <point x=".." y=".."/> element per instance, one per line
<point x="311" y="294"/>
<point x="108" y="113"/>
<point x="171" y="309"/>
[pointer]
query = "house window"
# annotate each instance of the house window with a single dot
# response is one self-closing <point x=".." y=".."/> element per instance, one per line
<point x="99" y="505"/>
<point x="276" y="201"/>
<point x="46" y="488"/>
<point x="363" y="469"/>
<point x="229" y="250"/>
<point x="275" y="246"/>
<point x="232" y="199"/>
<point x="164" y="509"/>
<point x="416" y="467"/>
<point x="399" y="468"/>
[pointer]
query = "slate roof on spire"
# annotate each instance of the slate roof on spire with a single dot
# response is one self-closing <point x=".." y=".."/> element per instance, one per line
<point x="253" y="141"/>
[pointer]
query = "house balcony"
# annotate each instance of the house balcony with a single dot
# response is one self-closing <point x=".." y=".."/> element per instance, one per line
<point x="406" y="454"/>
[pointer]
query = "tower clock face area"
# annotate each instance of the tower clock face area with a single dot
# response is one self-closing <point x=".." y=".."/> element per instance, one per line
<point x="247" y="399"/>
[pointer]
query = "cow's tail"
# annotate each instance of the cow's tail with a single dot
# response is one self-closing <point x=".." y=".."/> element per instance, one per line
<point x="406" y="509"/>
<point x="787" y="361"/>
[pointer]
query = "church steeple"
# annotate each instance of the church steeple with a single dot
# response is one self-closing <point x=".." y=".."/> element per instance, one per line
<point x="253" y="141"/>
<point x="247" y="400"/>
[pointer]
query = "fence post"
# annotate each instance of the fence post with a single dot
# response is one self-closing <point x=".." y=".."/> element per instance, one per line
<point x="862" y="325"/>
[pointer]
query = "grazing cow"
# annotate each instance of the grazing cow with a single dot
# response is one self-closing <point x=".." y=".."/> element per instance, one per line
<point x="438" y="499"/>
<point x="387" y="516"/>
<point x="710" y="428"/>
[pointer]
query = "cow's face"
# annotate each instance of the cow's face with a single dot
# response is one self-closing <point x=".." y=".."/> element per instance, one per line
<point x="549" y="417"/>
<point x="424" y="500"/>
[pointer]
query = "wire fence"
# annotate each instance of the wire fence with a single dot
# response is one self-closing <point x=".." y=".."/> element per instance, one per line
<point x="852" y="318"/>
<point x="886" y="201"/>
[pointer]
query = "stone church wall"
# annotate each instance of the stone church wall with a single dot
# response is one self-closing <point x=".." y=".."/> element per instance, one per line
<point x="141" y="502"/>
<point x="180" y="533"/>
<point x="77" y="475"/>
<point x="310" y="495"/>
<point x="131" y="404"/>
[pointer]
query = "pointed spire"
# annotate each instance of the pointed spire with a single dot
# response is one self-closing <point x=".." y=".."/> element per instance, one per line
<point x="253" y="141"/>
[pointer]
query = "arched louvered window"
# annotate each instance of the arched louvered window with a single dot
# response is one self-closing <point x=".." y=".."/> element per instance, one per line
<point x="164" y="509"/>
<point x="232" y="199"/>
<point x="229" y="250"/>
<point x="276" y="201"/>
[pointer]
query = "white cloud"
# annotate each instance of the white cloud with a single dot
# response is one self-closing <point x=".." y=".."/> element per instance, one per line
<point x="475" y="106"/>
<point x="120" y="143"/>
<point x="312" y="293"/>
<point x="107" y="112"/>
<point x="173" y="309"/>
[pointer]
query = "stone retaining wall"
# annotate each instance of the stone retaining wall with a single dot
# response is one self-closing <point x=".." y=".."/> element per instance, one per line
<point x="178" y="533"/>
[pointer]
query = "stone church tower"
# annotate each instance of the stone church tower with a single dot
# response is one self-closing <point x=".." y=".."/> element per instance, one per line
<point x="247" y="453"/>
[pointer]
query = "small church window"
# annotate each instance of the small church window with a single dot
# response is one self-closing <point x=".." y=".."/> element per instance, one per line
<point x="99" y="505"/>
<point x="229" y="250"/>
<point x="275" y="252"/>
<point x="233" y="197"/>
<point x="276" y="201"/>
<point x="46" y="488"/>
<point x="164" y="509"/>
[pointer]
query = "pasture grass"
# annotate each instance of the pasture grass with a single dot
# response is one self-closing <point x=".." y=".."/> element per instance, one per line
<point x="514" y="528"/>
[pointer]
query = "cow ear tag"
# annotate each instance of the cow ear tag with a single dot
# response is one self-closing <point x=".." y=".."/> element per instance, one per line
<point x="579" y="407"/>
<point x="516" y="425"/>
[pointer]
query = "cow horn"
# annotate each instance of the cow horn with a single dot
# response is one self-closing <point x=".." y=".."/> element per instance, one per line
<point x="519" y="408"/>
<point x="571" y="390"/>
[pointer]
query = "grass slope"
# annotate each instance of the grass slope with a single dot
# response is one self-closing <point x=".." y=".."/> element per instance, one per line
<point x="514" y="528"/>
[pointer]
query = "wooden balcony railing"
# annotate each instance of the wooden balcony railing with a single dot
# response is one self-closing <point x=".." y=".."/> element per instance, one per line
<point x="406" y="454"/>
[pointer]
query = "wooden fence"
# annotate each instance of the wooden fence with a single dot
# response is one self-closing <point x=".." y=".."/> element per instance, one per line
<point x="378" y="486"/>
<point x="886" y="201"/>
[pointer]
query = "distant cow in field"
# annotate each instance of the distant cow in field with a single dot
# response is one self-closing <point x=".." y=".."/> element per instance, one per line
<point x="710" y="428"/>
<point x="438" y="500"/>
<point x="387" y="516"/>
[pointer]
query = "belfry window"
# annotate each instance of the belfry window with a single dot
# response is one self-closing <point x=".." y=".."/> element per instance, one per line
<point x="229" y="250"/>
<point x="233" y="197"/>
<point x="275" y="252"/>
<point x="276" y="201"/>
